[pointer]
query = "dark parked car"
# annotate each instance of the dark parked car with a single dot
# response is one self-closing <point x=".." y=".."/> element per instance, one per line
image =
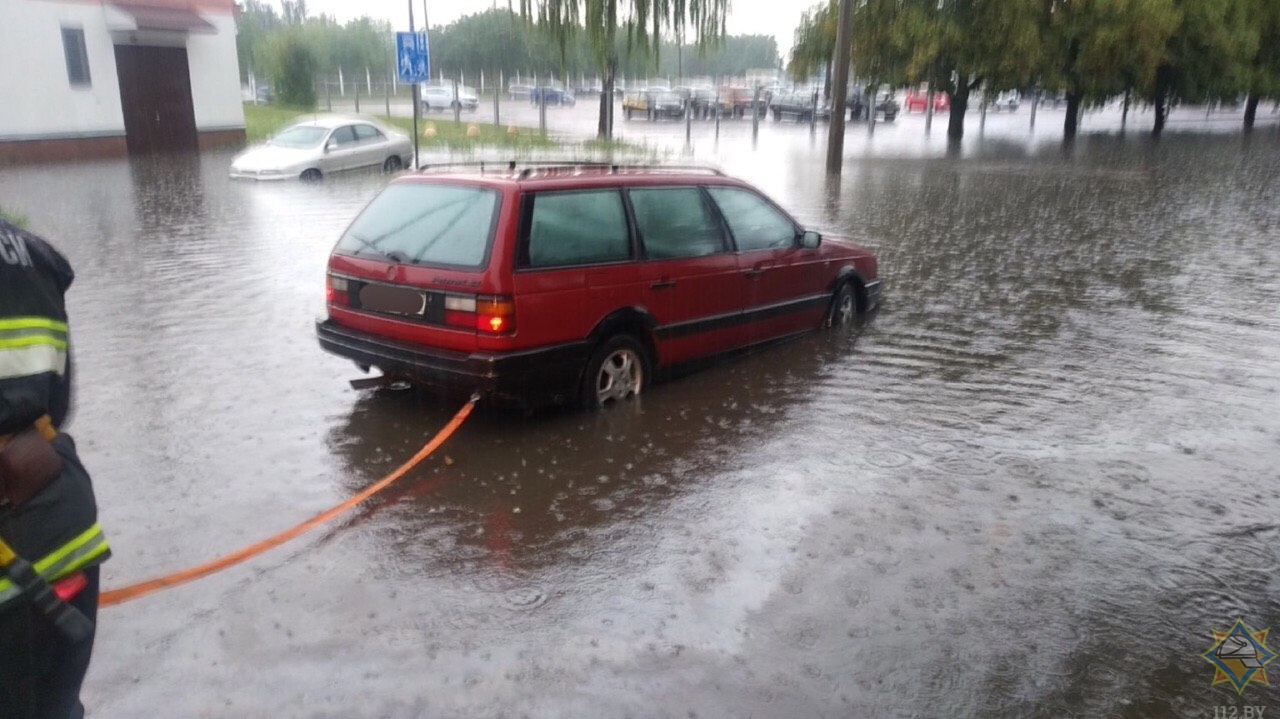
<point x="555" y="95"/>
<point x="577" y="283"/>
<point x="653" y="104"/>
<point x="886" y="106"/>
<point x="799" y="105"/>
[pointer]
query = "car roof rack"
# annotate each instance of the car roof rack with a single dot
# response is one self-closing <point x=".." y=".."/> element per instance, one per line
<point x="547" y="166"/>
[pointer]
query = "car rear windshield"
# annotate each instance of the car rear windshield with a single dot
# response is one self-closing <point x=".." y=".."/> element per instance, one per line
<point x="447" y="225"/>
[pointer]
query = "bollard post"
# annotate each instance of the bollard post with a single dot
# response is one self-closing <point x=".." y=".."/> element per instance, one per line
<point x="386" y="90"/>
<point x="688" y="121"/>
<point x="328" y="96"/>
<point x="928" y="111"/>
<point x="357" y="98"/>
<point x="542" y="110"/>
<point x="717" y="114"/>
<point x="457" y="103"/>
<point x="755" y="113"/>
<point x="813" y="113"/>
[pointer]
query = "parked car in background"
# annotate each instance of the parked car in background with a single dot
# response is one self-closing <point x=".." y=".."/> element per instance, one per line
<point x="474" y="282"/>
<point x="918" y="100"/>
<point x="798" y="105"/>
<point x="653" y="104"/>
<point x="705" y="101"/>
<point x="886" y="106"/>
<point x="1053" y="98"/>
<point x="1007" y="100"/>
<point x="554" y="94"/>
<point x="519" y="90"/>
<point x="743" y="100"/>
<point x="442" y="98"/>
<point x="312" y="149"/>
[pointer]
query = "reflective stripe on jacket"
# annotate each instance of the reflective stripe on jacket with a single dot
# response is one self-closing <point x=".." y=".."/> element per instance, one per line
<point x="83" y="551"/>
<point x="32" y="346"/>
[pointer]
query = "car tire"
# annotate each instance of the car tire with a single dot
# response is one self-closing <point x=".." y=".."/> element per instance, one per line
<point x="618" y="370"/>
<point x="392" y="164"/>
<point x="311" y="174"/>
<point x="844" y="307"/>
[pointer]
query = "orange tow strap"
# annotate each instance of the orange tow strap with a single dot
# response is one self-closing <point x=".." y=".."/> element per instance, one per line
<point x="120" y="596"/>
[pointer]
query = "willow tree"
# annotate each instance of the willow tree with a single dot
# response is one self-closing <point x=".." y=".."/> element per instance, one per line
<point x="640" y="21"/>
<point x="1102" y="48"/>
<point x="815" y="43"/>
<point x="1264" y="68"/>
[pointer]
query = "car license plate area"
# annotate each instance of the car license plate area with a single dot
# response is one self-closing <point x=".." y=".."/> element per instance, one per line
<point x="395" y="300"/>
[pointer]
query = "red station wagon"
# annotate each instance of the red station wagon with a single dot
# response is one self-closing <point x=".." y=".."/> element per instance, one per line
<point x="577" y="283"/>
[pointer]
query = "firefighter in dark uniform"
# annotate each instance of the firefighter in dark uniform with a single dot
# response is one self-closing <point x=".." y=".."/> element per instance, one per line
<point x="48" y="515"/>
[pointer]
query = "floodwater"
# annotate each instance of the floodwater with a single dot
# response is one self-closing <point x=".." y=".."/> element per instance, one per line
<point x="1032" y="484"/>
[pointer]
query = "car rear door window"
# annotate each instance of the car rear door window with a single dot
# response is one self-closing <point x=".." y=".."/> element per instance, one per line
<point x="755" y="223"/>
<point x="367" y="133"/>
<point x="575" y="228"/>
<point x="448" y="225"/>
<point x="675" y="222"/>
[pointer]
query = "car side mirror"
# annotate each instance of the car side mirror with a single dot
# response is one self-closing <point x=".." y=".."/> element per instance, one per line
<point x="810" y="239"/>
<point x="328" y="146"/>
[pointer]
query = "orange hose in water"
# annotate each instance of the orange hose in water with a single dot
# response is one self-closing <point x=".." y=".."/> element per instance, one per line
<point x="142" y="589"/>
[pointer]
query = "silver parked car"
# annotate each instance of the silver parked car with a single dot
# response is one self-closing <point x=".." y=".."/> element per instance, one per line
<point x="441" y="97"/>
<point x="312" y="149"/>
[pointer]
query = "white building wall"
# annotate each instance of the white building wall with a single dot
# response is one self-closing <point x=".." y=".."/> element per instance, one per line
<point x="215" y="76"/>
<point x="39" y="100"/>
<point x="41" y="103"/>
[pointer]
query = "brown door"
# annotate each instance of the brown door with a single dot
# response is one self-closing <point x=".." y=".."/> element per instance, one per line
<point x="155" y="95"/>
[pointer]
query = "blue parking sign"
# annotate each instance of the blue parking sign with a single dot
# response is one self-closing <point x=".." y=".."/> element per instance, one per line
<point x="413" y="59"/>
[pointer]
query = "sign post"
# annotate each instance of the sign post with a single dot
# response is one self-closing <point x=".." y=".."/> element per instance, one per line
<point x="413" y="65"/>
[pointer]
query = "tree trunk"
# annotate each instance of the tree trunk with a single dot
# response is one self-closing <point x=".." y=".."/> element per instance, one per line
<point x="1250" y="110"/>
<point x="1071" y="124"/>
<point x="1164" y="82"/>
<point x="605" y="126"/>
<point x="840" y="90"/>
<point x="959" y="104"/>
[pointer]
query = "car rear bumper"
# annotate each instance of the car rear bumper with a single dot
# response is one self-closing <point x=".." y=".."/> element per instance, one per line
<point x="873" y="289"/>
<point x="537" y="377"/>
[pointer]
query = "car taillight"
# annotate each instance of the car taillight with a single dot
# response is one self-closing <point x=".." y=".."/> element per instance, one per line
<point x="335" y="290"/>
<point x="483" y="313"/>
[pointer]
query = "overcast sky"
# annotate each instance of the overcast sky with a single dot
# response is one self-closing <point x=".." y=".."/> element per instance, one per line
<point x="746" y="17"/>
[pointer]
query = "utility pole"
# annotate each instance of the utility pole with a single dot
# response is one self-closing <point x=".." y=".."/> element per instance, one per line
<point x="840" y="91"/>
<point x="416" y="162"/>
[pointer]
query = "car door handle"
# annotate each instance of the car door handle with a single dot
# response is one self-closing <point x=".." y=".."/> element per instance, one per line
<point x="662" y="284"/>
<point x="753" y="274"/>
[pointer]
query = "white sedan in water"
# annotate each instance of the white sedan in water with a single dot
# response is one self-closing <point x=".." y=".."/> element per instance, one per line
<point x="314" y="148"/>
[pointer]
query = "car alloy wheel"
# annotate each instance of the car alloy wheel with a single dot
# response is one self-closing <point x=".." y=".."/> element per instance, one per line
<point x="616" y="372"/>
<point x="844" y="308"/>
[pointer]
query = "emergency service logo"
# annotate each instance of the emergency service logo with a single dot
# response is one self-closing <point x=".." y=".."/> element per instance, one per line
<point x="1239" y="656"/>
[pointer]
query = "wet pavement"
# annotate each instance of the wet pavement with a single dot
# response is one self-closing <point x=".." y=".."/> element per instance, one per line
<point x="1031" y="485"/>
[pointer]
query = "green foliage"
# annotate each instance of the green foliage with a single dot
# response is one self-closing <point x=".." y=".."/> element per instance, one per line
<point x="815" y="41"/>
<point x="293" y="70"/>
<point x="1100" y="48"/>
